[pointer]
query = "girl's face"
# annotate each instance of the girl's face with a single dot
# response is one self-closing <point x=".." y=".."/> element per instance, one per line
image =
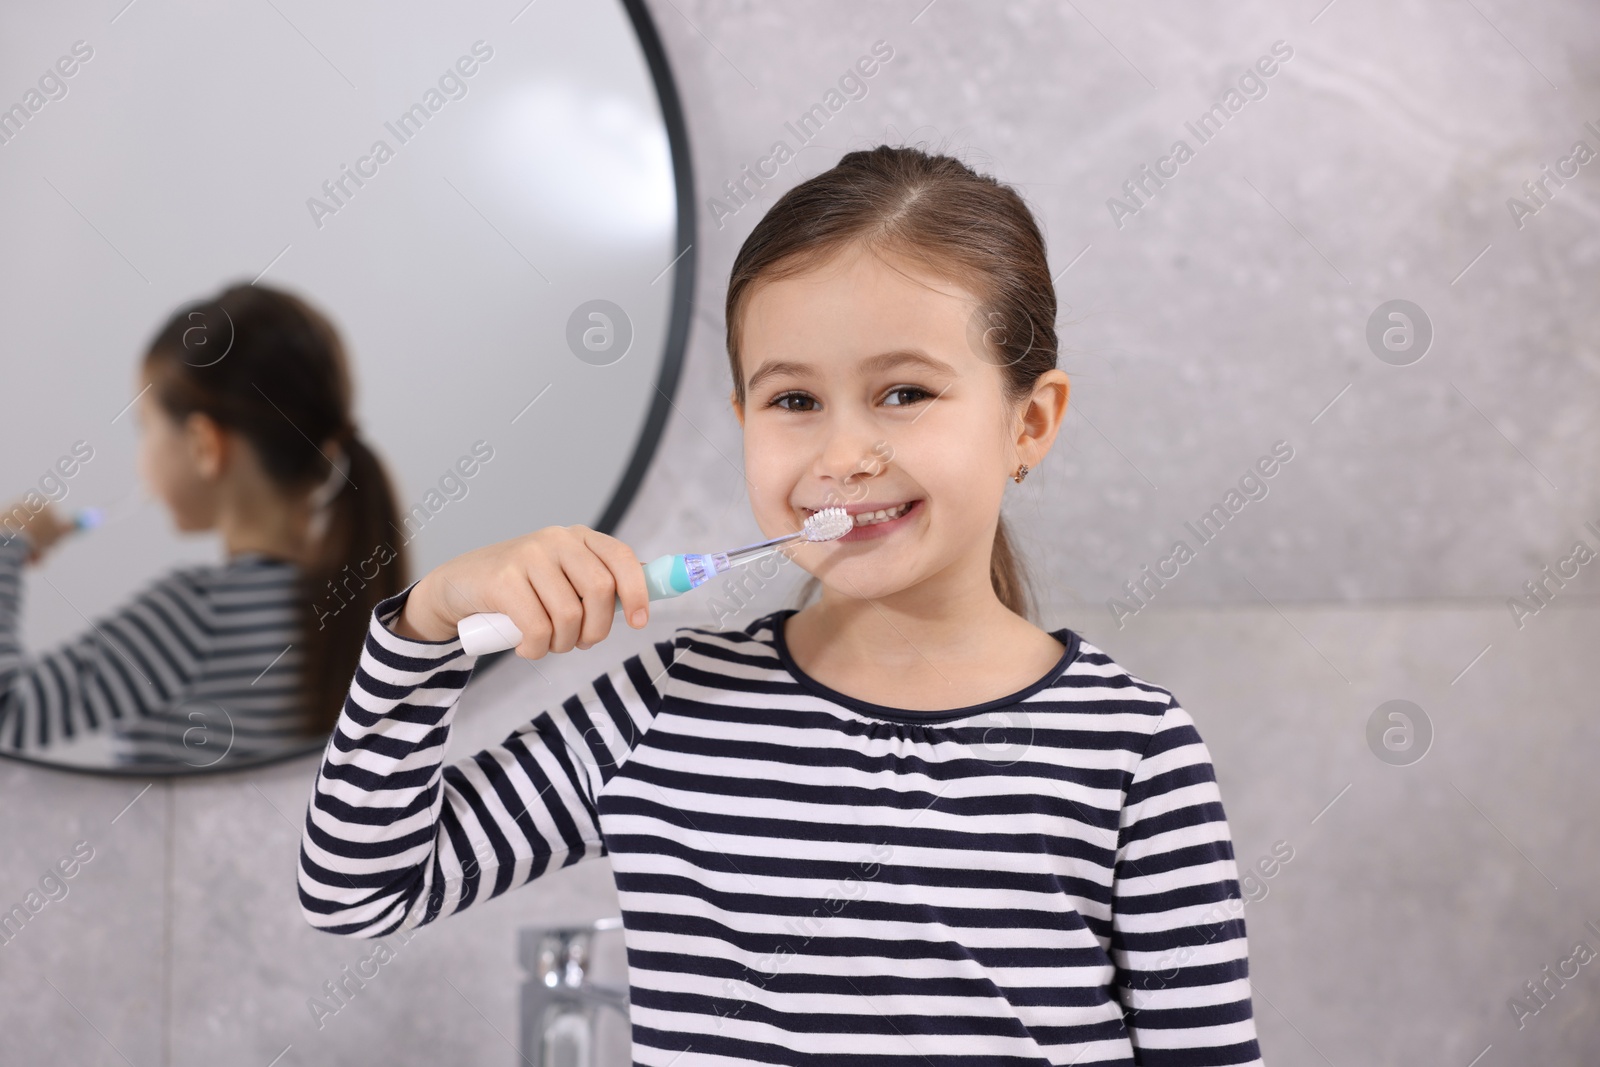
<point x="178" y="462"/>
<point x="864" y="390"/>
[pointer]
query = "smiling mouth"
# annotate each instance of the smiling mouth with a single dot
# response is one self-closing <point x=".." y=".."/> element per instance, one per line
<point x="872" y="518"/>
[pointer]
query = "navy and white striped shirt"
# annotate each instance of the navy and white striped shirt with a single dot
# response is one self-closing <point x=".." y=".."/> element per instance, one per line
<point x="805" y="877"/>
<point x="178" y="675"/>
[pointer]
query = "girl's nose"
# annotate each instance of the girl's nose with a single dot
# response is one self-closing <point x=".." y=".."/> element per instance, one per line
<point x="850" y="463"/>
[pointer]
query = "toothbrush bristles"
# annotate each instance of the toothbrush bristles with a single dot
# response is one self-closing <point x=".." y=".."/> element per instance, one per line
<point x="828" y="524"/>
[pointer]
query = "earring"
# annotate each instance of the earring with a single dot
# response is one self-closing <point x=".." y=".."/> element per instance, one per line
<point x="1022" y="472"/>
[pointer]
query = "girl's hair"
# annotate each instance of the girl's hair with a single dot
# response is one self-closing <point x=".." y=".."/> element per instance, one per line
<point x="269" y="366"/>
<point x="962" y="227"/>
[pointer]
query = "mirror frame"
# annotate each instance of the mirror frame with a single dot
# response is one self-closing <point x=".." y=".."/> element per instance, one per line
<point x="681" y="307"/>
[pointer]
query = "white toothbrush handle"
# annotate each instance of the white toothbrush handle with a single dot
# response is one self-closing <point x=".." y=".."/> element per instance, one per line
<point x="486" y="632"/>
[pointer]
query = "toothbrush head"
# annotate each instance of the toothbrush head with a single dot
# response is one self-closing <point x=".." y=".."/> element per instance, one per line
<point x="88" y="518"/>
<point x="828" y="524"/>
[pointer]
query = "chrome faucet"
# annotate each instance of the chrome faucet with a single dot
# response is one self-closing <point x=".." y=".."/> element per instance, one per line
<point x="560" y="1017"/>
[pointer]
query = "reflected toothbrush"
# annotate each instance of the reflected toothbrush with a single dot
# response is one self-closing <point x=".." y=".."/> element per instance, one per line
<point x="86" y="519"/>
<point x="665" y="576"/>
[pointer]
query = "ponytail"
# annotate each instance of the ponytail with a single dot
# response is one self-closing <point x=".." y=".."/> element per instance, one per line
<point x="1009" y="574"/>
<point x="354" y="563"/>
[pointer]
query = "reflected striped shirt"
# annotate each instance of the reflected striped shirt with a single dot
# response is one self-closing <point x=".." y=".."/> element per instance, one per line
<point x="177" y="675"/>
<point x="806" y="877"/>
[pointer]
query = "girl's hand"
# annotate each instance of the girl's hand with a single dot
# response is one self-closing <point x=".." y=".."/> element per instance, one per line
<point x="557" y="584"/>
<point x="41" y="529"/>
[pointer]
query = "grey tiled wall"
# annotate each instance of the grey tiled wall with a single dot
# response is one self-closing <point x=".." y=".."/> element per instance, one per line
<point x="1228" y="313"/>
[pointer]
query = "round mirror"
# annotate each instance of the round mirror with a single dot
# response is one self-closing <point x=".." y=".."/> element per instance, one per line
<point x="497" y="219"/>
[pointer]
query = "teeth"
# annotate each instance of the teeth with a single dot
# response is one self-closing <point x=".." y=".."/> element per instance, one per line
<point x="871" y="517"/>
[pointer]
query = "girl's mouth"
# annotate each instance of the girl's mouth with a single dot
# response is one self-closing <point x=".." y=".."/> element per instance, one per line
<point x="881" y="523"/>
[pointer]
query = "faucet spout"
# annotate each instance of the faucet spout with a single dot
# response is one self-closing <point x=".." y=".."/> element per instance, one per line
<point x="561" y="1002"/>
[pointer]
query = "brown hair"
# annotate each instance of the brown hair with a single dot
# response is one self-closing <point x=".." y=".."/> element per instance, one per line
<point x="269" y="366"/>
<point x="961" y="226"/>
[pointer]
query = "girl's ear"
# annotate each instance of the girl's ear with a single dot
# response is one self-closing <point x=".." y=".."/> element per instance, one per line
<point x="733" y="399"/>
<point x="207" y="445"/>
<point x="1043" y="413"/>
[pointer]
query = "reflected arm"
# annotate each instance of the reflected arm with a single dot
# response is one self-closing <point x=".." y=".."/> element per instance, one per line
<point x="124" y="667"/>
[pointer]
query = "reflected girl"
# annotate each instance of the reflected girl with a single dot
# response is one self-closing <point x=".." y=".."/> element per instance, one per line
<point x="245" y="428"/>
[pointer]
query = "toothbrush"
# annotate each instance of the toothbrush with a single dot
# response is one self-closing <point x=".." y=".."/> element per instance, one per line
<point x="665" y="576"/>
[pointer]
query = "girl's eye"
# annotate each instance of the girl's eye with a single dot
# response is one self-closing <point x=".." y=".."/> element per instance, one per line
<point x="900" y="389"/>
<point x="778" y="400"/>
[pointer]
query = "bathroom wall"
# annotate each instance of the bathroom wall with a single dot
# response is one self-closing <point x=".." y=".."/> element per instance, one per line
<point x="1201" y="325"/>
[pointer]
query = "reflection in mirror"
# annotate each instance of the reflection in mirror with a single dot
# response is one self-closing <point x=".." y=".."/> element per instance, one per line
<point x="245" y="428"/>
<point x="296" y="328"/>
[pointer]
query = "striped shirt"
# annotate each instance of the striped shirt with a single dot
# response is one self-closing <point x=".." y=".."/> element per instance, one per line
<point x="805" y="877"/>
<point x="177" y="676"/>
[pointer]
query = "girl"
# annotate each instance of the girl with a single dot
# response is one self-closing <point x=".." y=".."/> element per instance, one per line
<point x="244" y="410"/>
<point x="901" y="824"/>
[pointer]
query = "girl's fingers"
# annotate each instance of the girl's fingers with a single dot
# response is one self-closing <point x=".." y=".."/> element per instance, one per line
<point x="562" y="607"/>
<point x="519" y="601"/>
<point x="560" y="586"/>
<point x="591" y="576"/>
<point x="627" y="576"/>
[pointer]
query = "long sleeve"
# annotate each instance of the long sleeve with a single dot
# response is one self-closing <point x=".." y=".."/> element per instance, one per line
<point x="1178" y="939"/>
<point x="395" y="839"/>
<point x="126" y="666"/>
